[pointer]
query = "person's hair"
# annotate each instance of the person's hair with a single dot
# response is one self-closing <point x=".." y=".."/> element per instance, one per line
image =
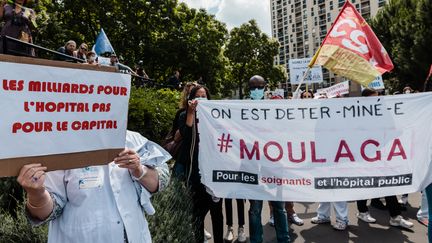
<point x="184" y="94"/>
<point x="90" y="53"/>
<point x="368" y="92"/>
<point x="195" y="90"/>
<point x="303" y="94"/>
<point x="70" y="42"/>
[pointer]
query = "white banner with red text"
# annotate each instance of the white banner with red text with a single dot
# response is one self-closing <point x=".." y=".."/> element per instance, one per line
<point x="316" y="150"/>
<point x="50" y="110"/>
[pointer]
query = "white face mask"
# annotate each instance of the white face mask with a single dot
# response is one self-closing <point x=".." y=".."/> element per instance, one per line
<point x="200" y="98"/>
<point x="408" y="92"/>
<point x="92" y="58"/>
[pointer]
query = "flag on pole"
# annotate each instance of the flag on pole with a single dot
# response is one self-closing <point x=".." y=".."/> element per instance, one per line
<point x="102" y="44"/>
<point x="351" y="49"/>
<point x="430" y="72"/>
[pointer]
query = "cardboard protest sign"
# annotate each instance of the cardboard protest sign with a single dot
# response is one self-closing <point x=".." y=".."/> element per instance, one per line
<point x="316" y="150"/>
<point x="60" y="117"/>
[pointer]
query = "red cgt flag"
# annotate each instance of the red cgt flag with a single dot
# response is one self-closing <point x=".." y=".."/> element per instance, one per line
<point x="351" y="49"/>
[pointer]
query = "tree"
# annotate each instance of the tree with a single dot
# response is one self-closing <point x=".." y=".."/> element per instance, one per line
<point x="252" y="52"/>
<point x="165" y="35"/>
<point x="403" y="26"/>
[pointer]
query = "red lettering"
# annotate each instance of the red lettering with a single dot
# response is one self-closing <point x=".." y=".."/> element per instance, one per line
<point x="123" y="91"/>
<point x="255" y="150"/>
<point x="393" y="153"/>
<point x="314" y="157"/>
<point x="363" y="154"/>
<point x="290" y="153"/>
<point x="267" y="145"/>
<point x="348" y="154"/>
<point x="29" y="127"/>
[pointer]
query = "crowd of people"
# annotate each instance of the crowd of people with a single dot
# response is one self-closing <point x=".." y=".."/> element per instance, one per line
<point x="281" y="213"/>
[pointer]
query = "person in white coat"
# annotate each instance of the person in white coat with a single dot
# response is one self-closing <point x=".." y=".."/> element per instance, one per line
<point x="98" y="203"/>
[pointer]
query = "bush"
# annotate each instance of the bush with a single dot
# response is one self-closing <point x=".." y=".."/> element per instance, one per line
<point x="151" y="112"/>
<point x="172" y="221"/>
<point x="11" y="195"/>
<point x="18" y="229"/>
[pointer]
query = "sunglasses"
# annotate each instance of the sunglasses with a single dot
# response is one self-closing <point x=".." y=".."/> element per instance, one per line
<point x="83" y="48"/>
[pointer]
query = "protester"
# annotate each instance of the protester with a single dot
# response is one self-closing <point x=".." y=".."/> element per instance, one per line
<point x="428" y="189"/>
<point x="81" y="53"/>
<point x="67" y="49"/>
<point x="98" y="203"/>
<point x="407" y="90"/>
<point x="19" y="23"/>
<point x="241" y="235"/>
<point x="256" y="86"/>
<point x="423" y="212"/>
<point x="202" y="199"/>
<point x="174" y="81"/>
<point x="391" y="201"/>
<point x="306" y="95"/>
<point x="91" y="58"/>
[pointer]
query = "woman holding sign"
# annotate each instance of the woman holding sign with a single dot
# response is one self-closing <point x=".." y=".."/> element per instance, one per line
<point x="98" y="203"/>
<point x="202" y="199"/>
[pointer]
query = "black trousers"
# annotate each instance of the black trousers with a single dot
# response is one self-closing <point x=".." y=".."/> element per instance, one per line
<point x="202" y="203"/>
<point x="391" y="204"/>
<point x="240" y="212"/>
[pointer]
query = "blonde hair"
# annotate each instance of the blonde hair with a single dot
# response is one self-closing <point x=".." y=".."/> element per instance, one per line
<point x="185" y="93"/>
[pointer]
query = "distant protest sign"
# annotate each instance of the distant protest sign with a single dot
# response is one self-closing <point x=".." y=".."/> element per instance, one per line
<point x="79" y="115"/>
<point x="335" y="90"/>
<point x="316" y="150"/>
<point x="297" y="69"/>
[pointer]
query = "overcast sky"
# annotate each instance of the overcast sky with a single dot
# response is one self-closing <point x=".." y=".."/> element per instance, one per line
<point x="236" y="12"/>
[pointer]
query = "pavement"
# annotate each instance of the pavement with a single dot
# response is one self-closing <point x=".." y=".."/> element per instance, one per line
<point x="357" y="231"/>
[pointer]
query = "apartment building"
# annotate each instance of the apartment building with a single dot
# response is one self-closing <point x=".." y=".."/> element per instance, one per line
<point x="301" y="25"/>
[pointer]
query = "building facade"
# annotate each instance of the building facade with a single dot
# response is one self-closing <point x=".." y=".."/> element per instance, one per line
<point x="301" y="25"/>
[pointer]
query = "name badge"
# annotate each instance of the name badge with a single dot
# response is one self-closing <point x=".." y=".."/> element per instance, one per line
<point x="91" y="177"/>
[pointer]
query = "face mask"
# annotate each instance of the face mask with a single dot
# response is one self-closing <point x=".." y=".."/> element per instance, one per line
<point x="92" y="59"/>
<point x="408" y="92"/>
<point x="257" y="94"/>
<point x="200" y="98"/>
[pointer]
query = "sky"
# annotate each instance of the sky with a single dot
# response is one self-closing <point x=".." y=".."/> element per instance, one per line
<point x="236" y="12"/>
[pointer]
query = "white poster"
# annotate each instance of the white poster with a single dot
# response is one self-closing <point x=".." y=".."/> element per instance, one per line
<point x="50" y="110"/>
<point x="297" y="69"/>
<point x="335" y="90"/>
<point x="316" y="150"/>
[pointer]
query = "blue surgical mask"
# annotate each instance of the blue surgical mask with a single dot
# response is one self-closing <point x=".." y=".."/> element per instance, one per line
<point x="257" y="94"/>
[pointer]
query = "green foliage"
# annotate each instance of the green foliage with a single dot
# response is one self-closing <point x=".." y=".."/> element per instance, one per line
<point x="252" y="52"/>
<point x="18" y="229"/>
<point x="173" y="220"/>
<point x="164" y="34"/>
<point x="151" y="112"/>
<point x="403" y="27"/>
<point x="11" y="194"/>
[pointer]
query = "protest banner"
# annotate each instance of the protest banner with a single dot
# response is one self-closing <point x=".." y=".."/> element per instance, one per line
<point x="297" y="69"/>
<point x="316" y="150"/>
<point x="335" y="90"/>
<point x="58" y="116"/>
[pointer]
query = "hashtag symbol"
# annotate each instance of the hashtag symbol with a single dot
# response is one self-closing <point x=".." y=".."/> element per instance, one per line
<point x="224" y="142"/>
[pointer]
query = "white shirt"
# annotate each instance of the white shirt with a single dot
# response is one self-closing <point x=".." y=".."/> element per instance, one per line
<point x="98" y="203"/>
